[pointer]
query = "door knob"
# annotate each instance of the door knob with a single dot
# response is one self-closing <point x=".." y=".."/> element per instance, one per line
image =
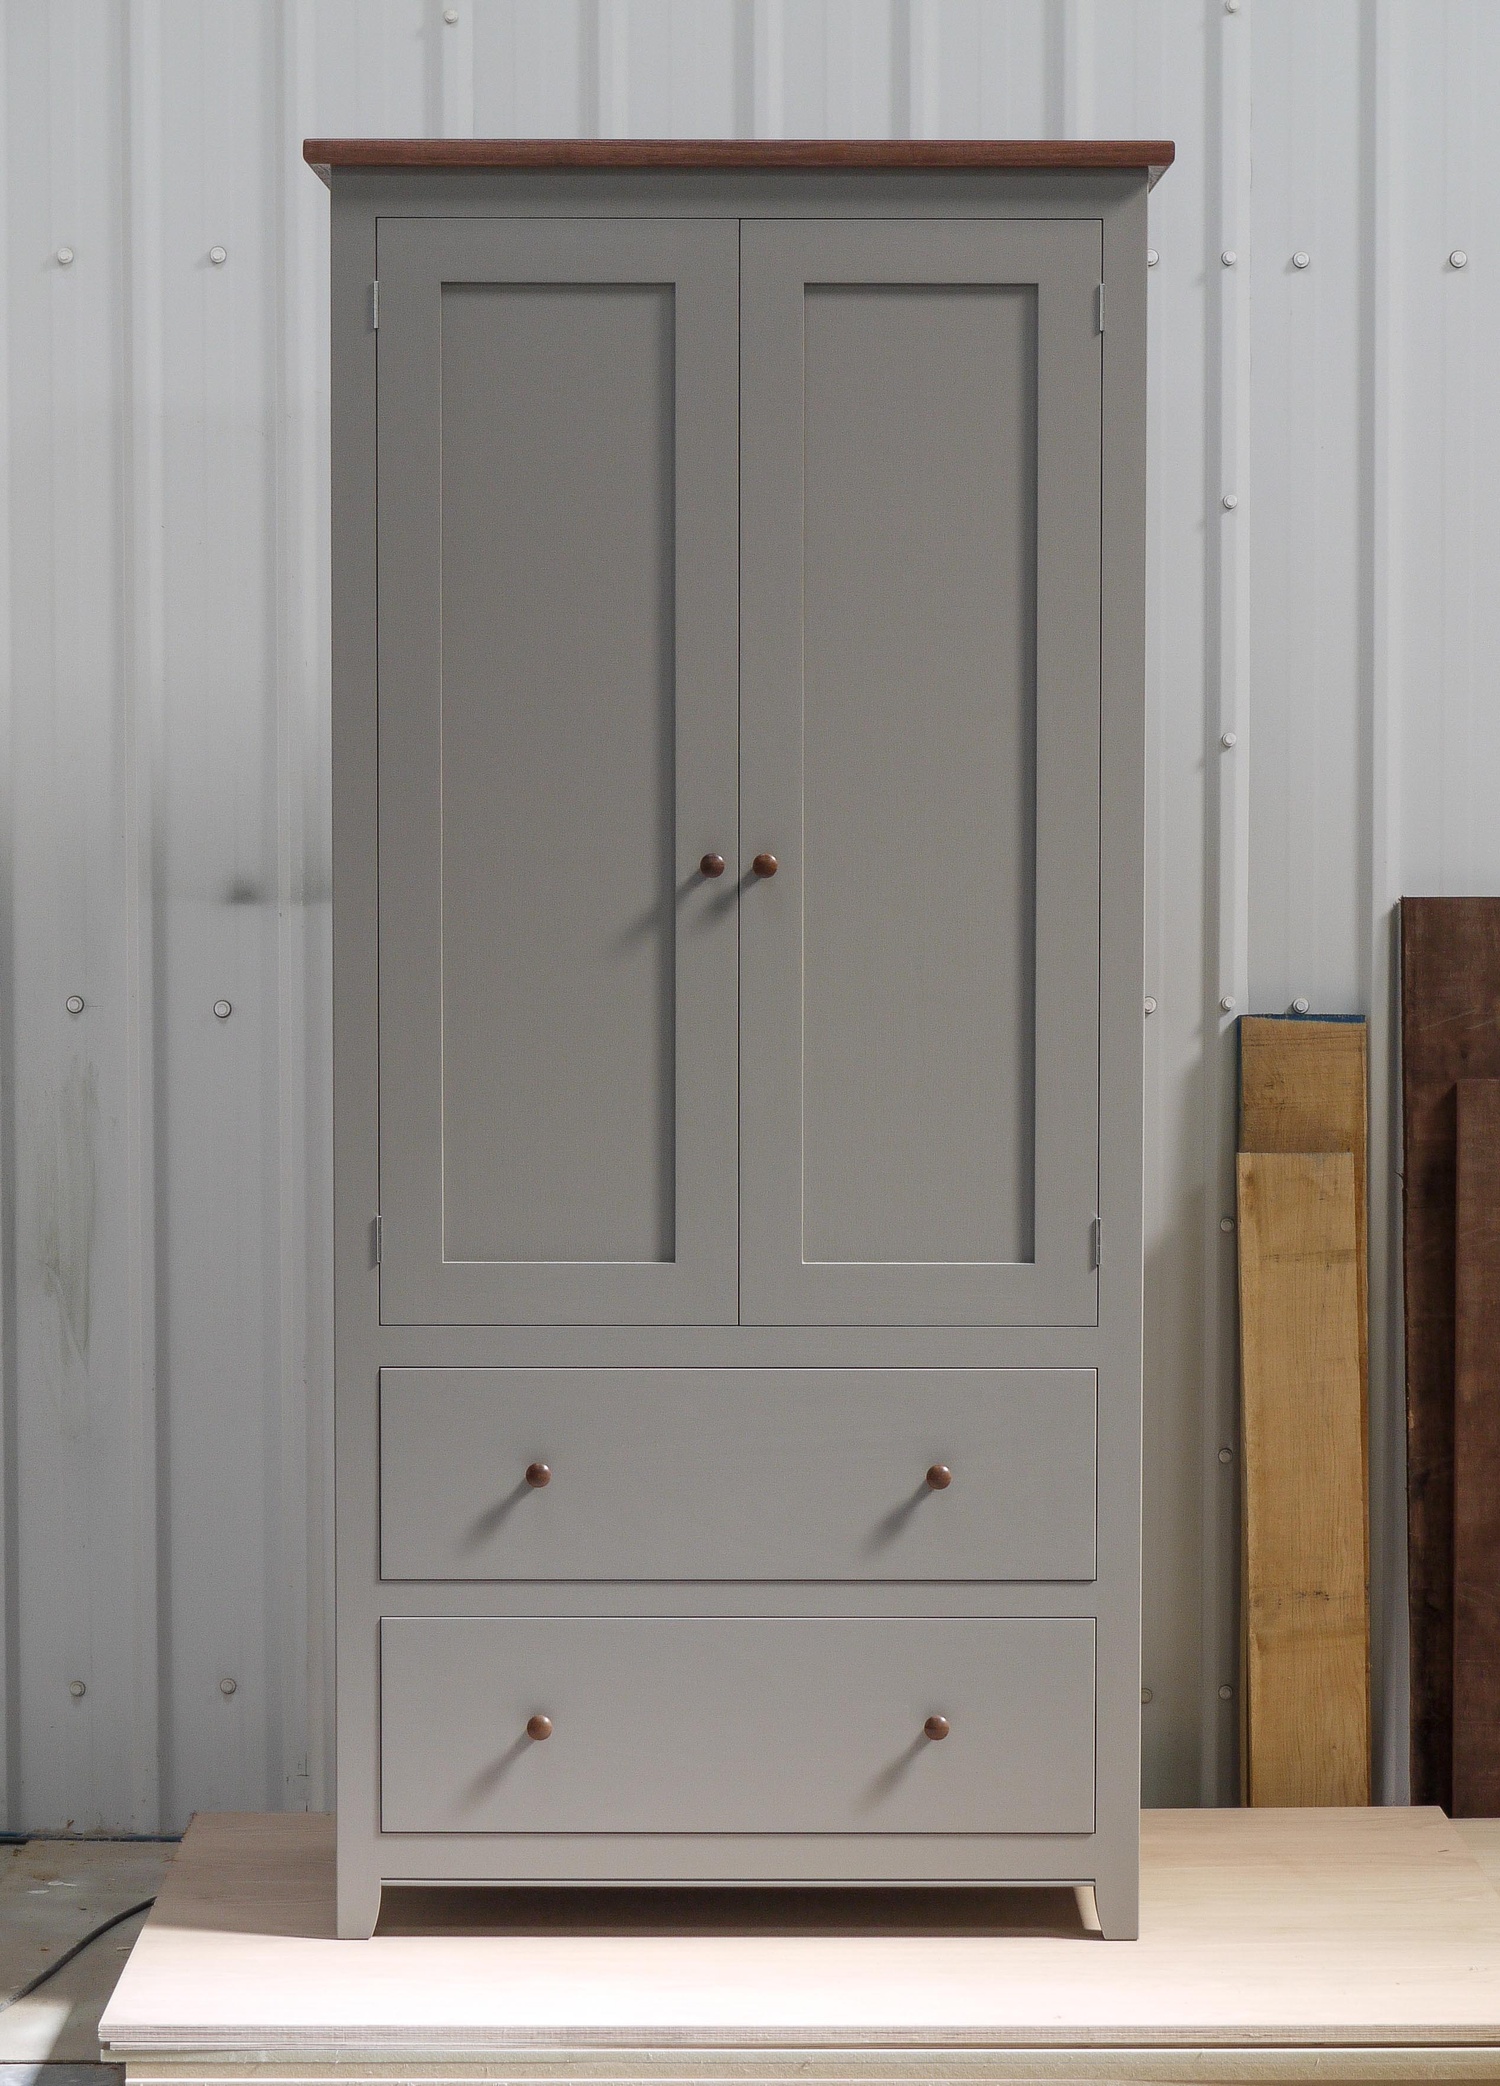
<point x="939" y="1477"/>
<point x="712" y="865"/>
<point x="537" y="1475"/>
<point x="935" y="1727"/>
<point x="765" y="865"/>
<point x="540" y="1727"/>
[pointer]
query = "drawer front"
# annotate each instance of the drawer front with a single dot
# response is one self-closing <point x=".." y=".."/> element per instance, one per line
<point x="737" y="1473"/>
<point x="673" y="1724"/>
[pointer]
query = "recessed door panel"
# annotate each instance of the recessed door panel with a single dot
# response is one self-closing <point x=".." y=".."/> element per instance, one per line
<point x="557" y="744"/>
<point x="920" y="703"/>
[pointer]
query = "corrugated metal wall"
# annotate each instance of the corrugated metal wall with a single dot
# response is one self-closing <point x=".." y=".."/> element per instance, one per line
<point x="163" y="624"/>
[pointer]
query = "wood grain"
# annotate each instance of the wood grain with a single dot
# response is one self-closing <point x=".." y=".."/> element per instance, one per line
<point x="1306" y="1591"/>
<point x="1476" y="1457"/>
<point x="1286" y="1943"/>
<point x="942" y="155"/>
<point x="1450" y="1030"/>
<point x="1304" y="1088"/>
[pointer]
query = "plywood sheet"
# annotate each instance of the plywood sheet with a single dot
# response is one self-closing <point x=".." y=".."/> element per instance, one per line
<point x="1260" y="1931"/>
<point x="1450" y="1030"/>
<point x="1306" y="1586"/>
<point x="1476" y="1458"/>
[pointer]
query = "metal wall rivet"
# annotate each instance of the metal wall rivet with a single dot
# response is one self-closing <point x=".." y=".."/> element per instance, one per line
<point x="1228" y="739"/>
<point x="73" y="1004"/>
<point x="450" y="15"/>
<point x="1457" y="259"/>
<point x="1230" y="500"/>
<point x="1226" y="1455"/>
<point x="218" y="255"/>
<point x="1152" y="257"/>
<point x="1226" y="1004"/>
<point x="1231" y="6"/>
<point x="76" y="1688"/>
<point x="227" y="1686"/>
<point x="1301" y="260"/>
<point x="223" y="1009"/>
<point x="1226" y="1224"/>
<point x="65" y="257"/>
<point x="1146" y="1695"/>
<point x="1228" y="257"/>
<point x="1150" y="1004"/>
<point x="1226" y="1693"/>
<point x="1299" y="1005"/>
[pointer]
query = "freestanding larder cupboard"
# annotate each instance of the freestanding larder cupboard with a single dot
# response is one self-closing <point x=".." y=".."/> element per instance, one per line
<point x="738" y="595"/>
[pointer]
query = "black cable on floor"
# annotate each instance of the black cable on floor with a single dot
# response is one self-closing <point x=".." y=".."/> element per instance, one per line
<point x="76" y="1950"/>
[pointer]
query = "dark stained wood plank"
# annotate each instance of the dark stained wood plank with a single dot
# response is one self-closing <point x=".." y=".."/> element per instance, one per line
<point x="1476" y="1456"/>
<point x="942" y="155"/>
<point x="1450" y="1030"/>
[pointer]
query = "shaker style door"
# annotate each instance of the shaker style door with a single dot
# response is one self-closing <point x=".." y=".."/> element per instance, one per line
<point x="557" y="523"/>
<point x="920" y="632"/>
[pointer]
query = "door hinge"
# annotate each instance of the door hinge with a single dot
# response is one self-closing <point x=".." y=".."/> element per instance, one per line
<point x="1098" y="308"/>
<point x="375" y="1239"/>
<point x="375" y="308"/>
<point x="1097" y="1231"/>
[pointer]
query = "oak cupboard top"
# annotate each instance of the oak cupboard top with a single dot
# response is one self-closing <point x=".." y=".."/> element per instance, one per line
<point x="787" y="155"/>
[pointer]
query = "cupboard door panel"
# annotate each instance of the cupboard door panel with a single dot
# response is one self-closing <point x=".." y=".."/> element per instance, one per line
<point x="557" y="748"/>
<point x="920" y="704"/>
<point x="673" y="1724"/>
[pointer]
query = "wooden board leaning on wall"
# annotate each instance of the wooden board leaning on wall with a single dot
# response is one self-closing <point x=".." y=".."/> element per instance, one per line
<point x="1303" y="1091"/>
<point x="1450" y="1031"/>
<point x="1307" y="1613"/>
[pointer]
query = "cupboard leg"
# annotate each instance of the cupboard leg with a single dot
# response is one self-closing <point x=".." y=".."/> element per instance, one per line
<point x="1117" y="1900"/>
<point x="358" y="1903"/>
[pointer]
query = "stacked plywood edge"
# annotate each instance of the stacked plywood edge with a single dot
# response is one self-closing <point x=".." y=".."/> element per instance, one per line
<point x="1305" y="1412"/>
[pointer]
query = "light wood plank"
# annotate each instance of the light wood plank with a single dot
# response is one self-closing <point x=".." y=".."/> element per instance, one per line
<point x="1482" y="1838"/>
<point x="1306" y="1591"/>
<point x="1476" y="1455"/>
<point x="1304" y="1088"/>
<point x="1265" y="1935"/>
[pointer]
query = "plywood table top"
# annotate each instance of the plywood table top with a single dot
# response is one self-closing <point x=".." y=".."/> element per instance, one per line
<point x="1353" y="1944"/>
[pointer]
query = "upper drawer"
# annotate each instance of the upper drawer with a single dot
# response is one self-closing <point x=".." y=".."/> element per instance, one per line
<point x="737" y="1473"/>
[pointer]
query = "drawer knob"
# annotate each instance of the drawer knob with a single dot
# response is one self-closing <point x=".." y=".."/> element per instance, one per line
<point x="935" y="1727"/>
<point x="537" y="1475"/>
<point x="540" y="1727"/>
<point x="712" y="865"/>
<point x="765" y="865"/>
<point x="939" y="1477"/>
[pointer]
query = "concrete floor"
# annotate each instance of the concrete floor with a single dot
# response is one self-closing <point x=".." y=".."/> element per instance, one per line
<point x="52" y="1892"/>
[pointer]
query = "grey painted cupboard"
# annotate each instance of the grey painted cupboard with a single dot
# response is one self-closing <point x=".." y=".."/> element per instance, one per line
<point x="738" y="778"/>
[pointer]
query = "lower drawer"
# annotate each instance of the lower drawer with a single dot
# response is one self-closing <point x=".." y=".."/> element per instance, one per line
<point x="676" y="1724"/>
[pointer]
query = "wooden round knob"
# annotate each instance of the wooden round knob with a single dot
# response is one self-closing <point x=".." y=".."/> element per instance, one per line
<point x="712" y="865"/>
<point x="540" y="1727"/>
<point x="765" y="865"/>
<point x="935" y="1727"/>
<point x="537" y="1475"/>
<point x="939" y="1477"/>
